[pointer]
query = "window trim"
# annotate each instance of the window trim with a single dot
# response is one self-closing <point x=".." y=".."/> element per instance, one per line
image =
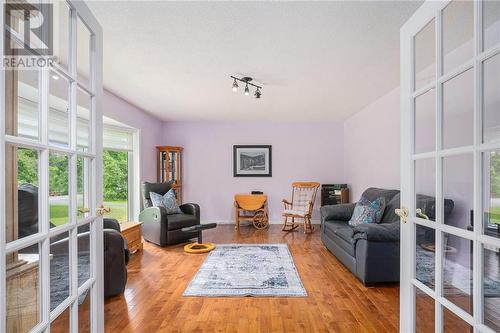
<point x="134" y="168"/>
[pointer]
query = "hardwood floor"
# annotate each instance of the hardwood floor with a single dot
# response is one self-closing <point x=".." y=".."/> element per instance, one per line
<point x="337" y="301"/>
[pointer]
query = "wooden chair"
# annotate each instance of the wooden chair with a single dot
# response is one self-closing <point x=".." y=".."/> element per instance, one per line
<point x="301" y="206"/>
<point x="253" y="208"/>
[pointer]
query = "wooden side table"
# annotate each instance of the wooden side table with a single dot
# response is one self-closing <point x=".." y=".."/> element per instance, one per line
<point x="132" y="232"/>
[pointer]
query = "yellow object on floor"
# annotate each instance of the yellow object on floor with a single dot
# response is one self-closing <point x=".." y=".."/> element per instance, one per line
<point x="199" y="248"/>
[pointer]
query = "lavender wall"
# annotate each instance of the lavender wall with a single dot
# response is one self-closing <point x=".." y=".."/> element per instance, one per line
<point x="301" y="152"/>
<point x="150" y="127"/>
<point x="371" y="146"/>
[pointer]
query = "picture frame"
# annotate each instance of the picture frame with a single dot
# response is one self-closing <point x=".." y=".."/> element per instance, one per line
<point x="252" y="161"/>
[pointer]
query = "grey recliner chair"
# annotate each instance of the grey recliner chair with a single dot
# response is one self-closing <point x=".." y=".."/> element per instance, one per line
<point x="160" y="228"/>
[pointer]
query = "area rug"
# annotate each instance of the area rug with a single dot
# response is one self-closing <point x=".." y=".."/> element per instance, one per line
<point x="458" y="279"/>
<point x="247" y="270"/>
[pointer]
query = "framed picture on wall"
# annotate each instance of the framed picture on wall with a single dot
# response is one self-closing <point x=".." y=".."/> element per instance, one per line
<point x="252" y="160"/>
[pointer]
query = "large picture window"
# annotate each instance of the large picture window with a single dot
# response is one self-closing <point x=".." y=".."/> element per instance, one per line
<point x="119" y="173"/>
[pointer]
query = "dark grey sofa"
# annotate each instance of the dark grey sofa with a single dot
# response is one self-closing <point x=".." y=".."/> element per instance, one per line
<point x="370" y="251"/>
<point x="160" y="228"/>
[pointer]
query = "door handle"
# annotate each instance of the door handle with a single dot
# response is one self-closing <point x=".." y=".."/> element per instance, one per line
<point x="402" y="213"/>
<point x="83" y="210"/>
<point x="102" y="210"/>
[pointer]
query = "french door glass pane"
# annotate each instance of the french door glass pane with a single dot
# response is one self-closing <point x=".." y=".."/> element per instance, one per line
<point x="425" y="122"/>
<point x="425" y="188"/>
<point x="21" y="179"/>
<point x="84" y="314"/>
<point x="61" y="32"/>
<point x="27" y="105"/>
<point x="83" y="187"/>
<point x="491" y="22"/>
<point x="458" y="110"/>
<point x="23" y="289"/>
<point x="115" y="171"/>
<point x="62" y="323"/>
<point x="491" y="96"/>
<point x="457" y="271"/>
<point x="453" y="324"/>
<point x="58" y="189"/>
<point x="59" y="269"/>
<point x="83" y="53"/>
<point x="424" y="315"/>
<point x="59" y="110"/>
<point x="458" y="34"/>
<point x="491" y="193"/>
<point x="83" y="120"/>
<point x="425" y="255"/>
<point x="425" y="55"/>
<point x="84" y="241"/>
<point x="491" y="287"/>
<point x="458" y="190"/>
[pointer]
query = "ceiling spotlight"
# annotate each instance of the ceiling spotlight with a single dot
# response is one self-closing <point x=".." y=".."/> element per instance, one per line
<point x="55" y="76"/>
<point x="248" y="82"/>
<point x="257" y="93"/>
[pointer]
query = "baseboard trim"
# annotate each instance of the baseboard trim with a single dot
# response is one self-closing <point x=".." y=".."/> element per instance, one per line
<point x="232" y="222"/>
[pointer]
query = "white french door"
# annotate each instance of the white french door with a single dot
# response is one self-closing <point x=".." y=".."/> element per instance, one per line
<point x="450" y="168"/>
<point x="51" y="242"/>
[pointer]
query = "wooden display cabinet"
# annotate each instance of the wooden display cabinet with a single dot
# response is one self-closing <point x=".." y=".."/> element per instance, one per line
<point x="170" y="168"/>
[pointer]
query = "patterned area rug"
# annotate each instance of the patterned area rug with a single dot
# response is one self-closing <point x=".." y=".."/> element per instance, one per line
<point x="247" y="270"/>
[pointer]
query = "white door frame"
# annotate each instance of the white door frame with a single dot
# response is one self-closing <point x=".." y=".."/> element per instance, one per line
<point x="79" y="11"/>
<point x="428" y="11"/>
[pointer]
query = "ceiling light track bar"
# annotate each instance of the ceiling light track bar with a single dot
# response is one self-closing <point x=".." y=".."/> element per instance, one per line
<point x="246" y="80"/>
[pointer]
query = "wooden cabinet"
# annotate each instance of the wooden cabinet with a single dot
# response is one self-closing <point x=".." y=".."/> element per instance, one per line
<point x="132" y="232"/>
<point x="170" y="168"/>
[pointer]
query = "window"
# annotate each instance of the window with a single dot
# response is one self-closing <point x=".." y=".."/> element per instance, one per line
<point x="119" y="173"/>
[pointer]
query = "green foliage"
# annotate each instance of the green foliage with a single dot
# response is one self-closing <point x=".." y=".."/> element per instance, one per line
<point x="495" y="174"/>
<point x="27" y="166"/>
<point x="115" y="175"/>
<point x="58" y="174"/>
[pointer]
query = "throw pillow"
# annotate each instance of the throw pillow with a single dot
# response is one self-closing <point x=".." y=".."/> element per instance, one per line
<point x="167" y="201"/>
<point x="367" y="211"/>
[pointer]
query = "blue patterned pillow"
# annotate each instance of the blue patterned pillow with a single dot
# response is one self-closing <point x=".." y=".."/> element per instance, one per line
<point x="167" y="201"/>
<point x="367" y="211"/>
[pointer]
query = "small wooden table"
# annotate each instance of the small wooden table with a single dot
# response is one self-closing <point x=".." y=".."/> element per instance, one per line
<point x="131" y="231"/>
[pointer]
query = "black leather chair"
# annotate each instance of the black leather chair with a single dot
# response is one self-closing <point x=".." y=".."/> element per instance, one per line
<point x="160" y="228"/>
<point x="116" y="254"/>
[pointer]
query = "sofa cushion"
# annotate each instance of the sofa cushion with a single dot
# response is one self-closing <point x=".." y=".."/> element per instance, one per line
<point x="178" y="221"/>
<point x="341" y="234"/>
<point x="367" y="211"/>
<point x="390" y="210"/>
<point x="373" y="193"/>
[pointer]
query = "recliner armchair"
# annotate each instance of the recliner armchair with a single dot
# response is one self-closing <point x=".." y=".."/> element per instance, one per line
<point x="160" y="228"/>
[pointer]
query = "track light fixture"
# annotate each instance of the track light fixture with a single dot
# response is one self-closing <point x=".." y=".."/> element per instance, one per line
<point x="257" y="93"/>
<point x="247" y="82"/>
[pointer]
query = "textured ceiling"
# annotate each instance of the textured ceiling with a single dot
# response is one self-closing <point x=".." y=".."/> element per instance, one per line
<point x="317" y="61"/>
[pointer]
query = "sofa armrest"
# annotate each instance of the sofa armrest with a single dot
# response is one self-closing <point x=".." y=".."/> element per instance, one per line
<point x="342" y="212"/>
<point x="383" y="232"/>
<point x="190" y="209"/>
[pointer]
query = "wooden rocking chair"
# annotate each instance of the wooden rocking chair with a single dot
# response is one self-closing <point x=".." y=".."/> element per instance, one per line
<point x="301" y="206"/>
